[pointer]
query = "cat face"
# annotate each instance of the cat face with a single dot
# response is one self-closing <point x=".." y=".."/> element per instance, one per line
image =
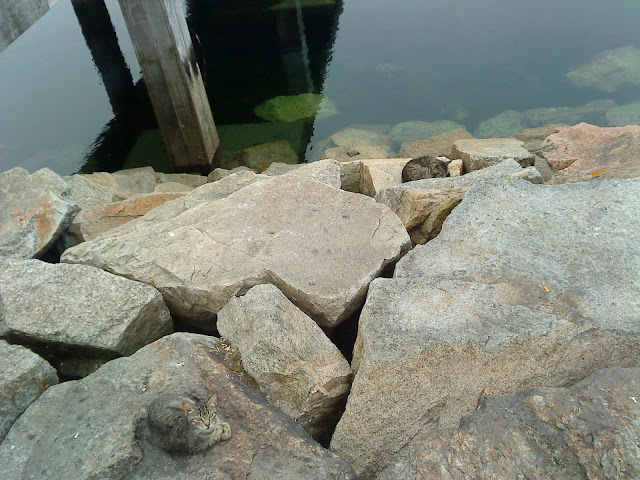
<point x="201" y="415"/>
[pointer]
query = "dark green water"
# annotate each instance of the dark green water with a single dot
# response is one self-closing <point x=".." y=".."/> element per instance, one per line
<point x="378" y="61"/>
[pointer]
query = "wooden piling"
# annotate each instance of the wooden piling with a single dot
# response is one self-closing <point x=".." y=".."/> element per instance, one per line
<point x="160" y="35"/>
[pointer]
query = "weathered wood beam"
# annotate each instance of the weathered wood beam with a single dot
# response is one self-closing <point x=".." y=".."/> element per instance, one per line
<point x="160" y="35"/>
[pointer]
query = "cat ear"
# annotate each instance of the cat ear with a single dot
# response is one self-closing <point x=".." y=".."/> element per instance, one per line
<point x="188" y="407"/>
<point x="213" y="401"/>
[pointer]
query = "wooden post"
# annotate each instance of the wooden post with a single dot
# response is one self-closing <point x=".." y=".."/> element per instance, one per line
<point x="160" y="35"/>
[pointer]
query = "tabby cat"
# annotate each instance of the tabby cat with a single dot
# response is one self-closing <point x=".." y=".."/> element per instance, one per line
<point x="424" y="167"/>
<point x="186" y="423"/>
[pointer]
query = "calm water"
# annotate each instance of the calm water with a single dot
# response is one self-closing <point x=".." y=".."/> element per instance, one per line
<point x="378" y="61"/>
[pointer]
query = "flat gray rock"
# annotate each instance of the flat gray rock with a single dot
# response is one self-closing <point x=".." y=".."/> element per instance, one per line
<point x="323" y="171"/>
<point x="24" y="377"/>
<point x="526" y="286"/>
<point x="34" y="211"/>
<point x="589" y="430"/>
<point x="503" y="125"/>
<point x="482" y="153"/>
<point x="78" y="310"/>
<point x="136" y="180"/>
<point x="321" y="246"/>
<point x="438" y="146"/>
<point x="407" y="132"/>
<point x="294" y="363"/>
<point x="97" y="427"/>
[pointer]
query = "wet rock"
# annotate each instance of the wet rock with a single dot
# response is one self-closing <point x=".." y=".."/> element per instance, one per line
<point x="355" y="139"/>
<point x="97" y="427"/>
<point x="191" y="181"/>
<point x="437" y="146"/>
<point x="96" y="221"/>
<point x="344" y="154"/>
<point x="592" y="112"/>
<point x="588" y="430"/>
<point x="219" y="173"/>
<point x="526" y="286"/>
<point x="407" y="132"/>
<point x="77" y="310"/>
<point x="136" y="180"/>
<point x="377" y="174"/>
<point x="323" y="171"/>
<point x="503" y="125"/>
<point x="296" y="107"/>
<point x="587" y="152"/>
<point x="34" y="211"/>
<point x="319" y="245"/>
<point x="477" y="154"/>
<point x="624" y="115"/>
<point x="609" y="70"/>
<point x="424" y="204"/>
<point x="534" y="137"/>
<point x="259" y="158"/>
<point x="295" y="365"/>
<point x="24" y="377"/>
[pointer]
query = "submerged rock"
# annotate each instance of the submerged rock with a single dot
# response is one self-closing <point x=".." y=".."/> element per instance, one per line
<point x="503" y="125"/>
<point x="526" y="286"/>
<point x="589" y="430"/>
<point x="296" y="107"/>
<point x="344" y="154"/>
<point x="97" y="427"/>
<point x="24" y="377"/>
<point x="356" y="138"/>
<point x="77" y="310"/>
<point x="609" y="70"/>
<point x="407" y="132"/>
<point x="319" y="245"/>
<point x="592" y="112"/>
<point x="294" y="363"/>
<point x="587" y="152"/>
<point x="34" y="211"/>
<point x="259" y="158"/>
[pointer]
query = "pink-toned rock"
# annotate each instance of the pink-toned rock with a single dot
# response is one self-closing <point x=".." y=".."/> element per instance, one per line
<point x="588" y="152"/>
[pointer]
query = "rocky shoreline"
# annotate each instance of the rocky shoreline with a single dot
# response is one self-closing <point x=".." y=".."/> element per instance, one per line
<point x="496" y="309"/>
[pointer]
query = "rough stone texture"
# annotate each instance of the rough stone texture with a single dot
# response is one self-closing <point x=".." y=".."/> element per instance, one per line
<point x="77" y="310"/>
<point x="455" y="168"/>
<point x="592" y="112"/>
<point x="424" y="204"/>
<point x="294" y="363"/>
<point x="533" y="138"/>
<point x="624" y="115"/>
<point x="259" y="158"/>
<point x="526" y="286"/>
<point x="379" y="173"/>
<point x="172" y="187"/>
<point x="588" y="152"/>
<point x="589" y="430"/>
<point x="136" y="180"/>
<point x="477" y="154"/>
<point x="319" y="245"/>
<point x="354" y="138"/>
<point x="102" y="179"/>
<point x="190" y="180"/>
<point x="94" y="222"/>
<point x="407" y="132"/>
<point x="96" y="427"/>
<point x="530" y="174"/>
<point x="609" y="70"/>
<point x="34" y="211"/>
<point x="438" y="146"/>
<point x="503" y="125"/>
<point x="220" y="173"/>
<point x="323" y="171"/>
<point x="24" y="377"/>
<point x="342" y="154"/>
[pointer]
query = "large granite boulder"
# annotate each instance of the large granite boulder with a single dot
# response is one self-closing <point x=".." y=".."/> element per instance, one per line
<point x="69" y="311"/>
<point x="407" y="132"/>
<point x="533" y="138"/>
<point x="97" y="427"/>
<point x="592" y="112"/>
<point x="186" y="179"/>
<point x="424" y="204"/>
<point x="293" y="362"/>
<point x="589" y="430"/>
<point x="438" y="146"/>
<point x="34" y="211"/>
<point x="24" y="377"/>
<point x="502" y="125"/>
<point x="321" y="246"/>
<point x="323" y="171"/>
<point x="482" y="153"/>
<point x="609" y="70"/>
<point x="587" y="152"/>
<point x="526" y="286"/>
<point x="139" y="180"/>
